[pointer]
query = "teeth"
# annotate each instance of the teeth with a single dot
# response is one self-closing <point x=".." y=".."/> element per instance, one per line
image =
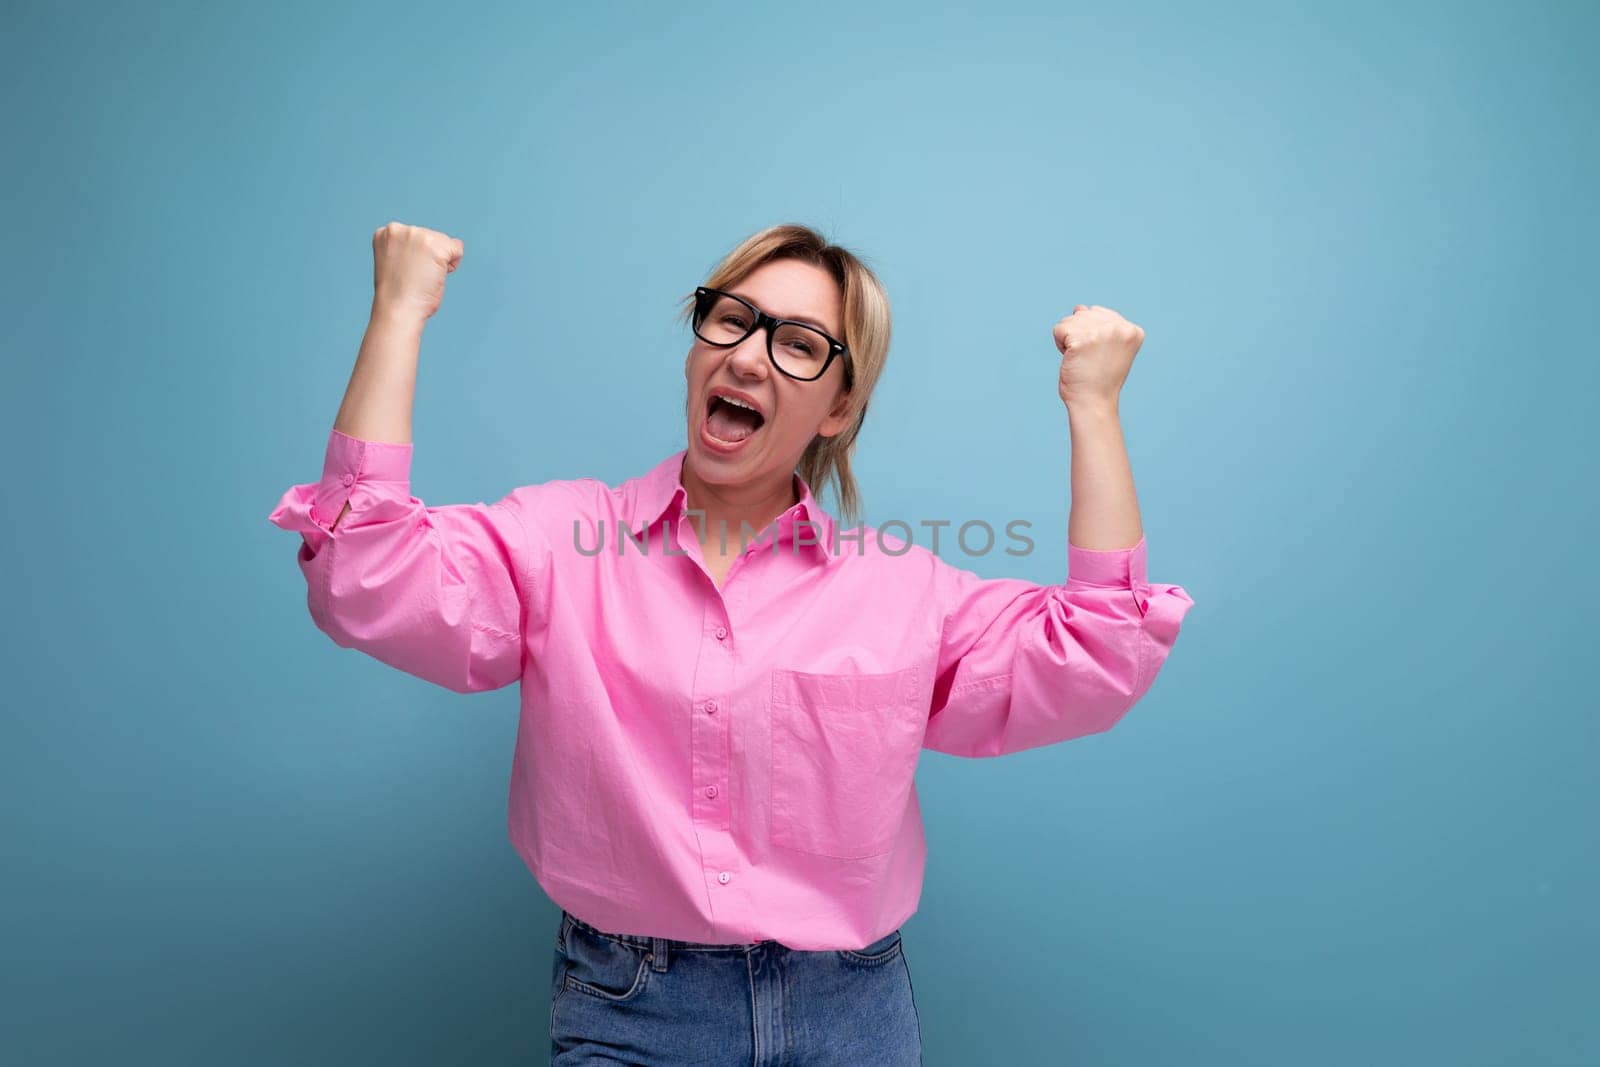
<point x="737" y="403"/>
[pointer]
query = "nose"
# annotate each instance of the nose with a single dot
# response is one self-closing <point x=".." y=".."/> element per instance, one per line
<point x="748" y="358"/>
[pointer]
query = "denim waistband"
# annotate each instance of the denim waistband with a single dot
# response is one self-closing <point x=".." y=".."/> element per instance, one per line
<point x="657" y="943"/>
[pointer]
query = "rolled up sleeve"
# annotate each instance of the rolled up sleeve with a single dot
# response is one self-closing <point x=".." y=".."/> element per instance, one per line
<point x="437" y="592"/>
<point x="1022" y="665"/>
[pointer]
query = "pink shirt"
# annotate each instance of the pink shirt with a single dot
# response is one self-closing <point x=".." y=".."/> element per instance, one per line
<point x="719" y="765"/>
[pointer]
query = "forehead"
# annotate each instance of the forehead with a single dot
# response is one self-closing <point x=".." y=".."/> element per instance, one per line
<point x="789" y="289"/>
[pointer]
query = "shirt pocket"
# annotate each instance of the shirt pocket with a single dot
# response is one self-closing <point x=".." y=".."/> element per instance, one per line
<point x="844" y="752"/>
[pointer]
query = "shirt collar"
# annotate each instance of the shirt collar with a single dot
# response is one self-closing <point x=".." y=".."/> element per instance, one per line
<point x="660" y="492"/>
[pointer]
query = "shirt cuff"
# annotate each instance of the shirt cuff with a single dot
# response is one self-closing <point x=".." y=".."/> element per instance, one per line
<point x="1114" y="568"/>
<point x="348" y="460"/>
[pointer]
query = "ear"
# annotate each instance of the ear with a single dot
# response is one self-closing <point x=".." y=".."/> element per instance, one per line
<point x="837" y="418"/>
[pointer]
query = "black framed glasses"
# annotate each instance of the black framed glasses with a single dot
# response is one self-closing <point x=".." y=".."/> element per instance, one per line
<point x="798" y="350"/>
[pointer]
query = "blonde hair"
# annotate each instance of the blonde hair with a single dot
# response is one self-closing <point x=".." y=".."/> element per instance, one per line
<point x="866" y="335"/>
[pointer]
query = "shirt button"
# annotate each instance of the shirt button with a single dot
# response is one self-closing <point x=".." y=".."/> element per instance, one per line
<point x="723" y="877"/>
<point x="711" y="790"/>
<point x="348" y="479"/>
<point x="711" y="707"/>
<point x="722" y="632"/>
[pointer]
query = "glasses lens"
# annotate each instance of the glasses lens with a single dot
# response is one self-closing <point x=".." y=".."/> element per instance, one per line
<point x="724" y="320"/>
<point x="798" y="350"/>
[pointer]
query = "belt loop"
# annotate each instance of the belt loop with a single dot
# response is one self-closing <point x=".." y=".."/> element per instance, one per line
<point x="658" y="953"/>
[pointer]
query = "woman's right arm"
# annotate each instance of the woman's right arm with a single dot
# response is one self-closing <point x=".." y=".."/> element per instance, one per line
<point x="409" y="264"/>
<point x="438" y="592"/>
<point x="378" y="401"/>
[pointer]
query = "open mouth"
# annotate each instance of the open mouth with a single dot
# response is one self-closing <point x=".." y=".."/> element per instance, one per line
<point x="730" y="421"/>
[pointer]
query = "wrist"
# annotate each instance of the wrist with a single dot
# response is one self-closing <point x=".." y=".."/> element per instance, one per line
<point x="396" y="316"/>
<point x="1097" y="408"/>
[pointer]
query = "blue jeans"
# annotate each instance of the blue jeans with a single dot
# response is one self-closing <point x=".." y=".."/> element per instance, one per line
<point x="622" y="998"/>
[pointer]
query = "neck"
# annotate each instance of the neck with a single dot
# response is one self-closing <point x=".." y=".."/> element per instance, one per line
<point x="755" y="504"/>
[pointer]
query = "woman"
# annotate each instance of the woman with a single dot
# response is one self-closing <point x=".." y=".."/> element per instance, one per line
<point x="724" y="692"/>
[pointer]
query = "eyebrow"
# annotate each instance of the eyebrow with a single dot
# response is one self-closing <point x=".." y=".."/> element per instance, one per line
<point x="792" y="318"/>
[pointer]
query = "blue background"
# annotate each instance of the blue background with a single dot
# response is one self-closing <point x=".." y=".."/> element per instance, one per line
<point x="1353" y="821"/>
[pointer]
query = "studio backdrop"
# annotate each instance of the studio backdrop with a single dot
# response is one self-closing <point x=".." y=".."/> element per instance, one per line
<point x="1351" y="822"/>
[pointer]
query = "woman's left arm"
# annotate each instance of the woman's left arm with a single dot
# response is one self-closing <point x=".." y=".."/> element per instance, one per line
<point x="1097" y="347"/>
<point x="1023" y="665"/>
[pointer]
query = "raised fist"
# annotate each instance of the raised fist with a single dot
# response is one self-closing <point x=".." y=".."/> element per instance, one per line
<point x="408" y="267"/>
<point x="1097" y="346"/>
